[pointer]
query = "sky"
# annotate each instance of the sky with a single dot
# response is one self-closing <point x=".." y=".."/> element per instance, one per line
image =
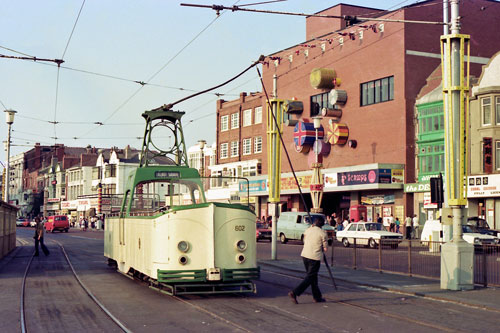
<point x="110" y="45"/>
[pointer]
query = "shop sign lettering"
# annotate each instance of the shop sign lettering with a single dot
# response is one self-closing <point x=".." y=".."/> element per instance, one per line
<point x="417" y="187"/>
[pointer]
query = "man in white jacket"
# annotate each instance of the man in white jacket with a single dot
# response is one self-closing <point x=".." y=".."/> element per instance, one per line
<point x="315" y="242"/>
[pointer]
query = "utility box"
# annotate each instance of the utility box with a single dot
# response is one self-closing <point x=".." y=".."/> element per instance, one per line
<point x="357" y="212"/>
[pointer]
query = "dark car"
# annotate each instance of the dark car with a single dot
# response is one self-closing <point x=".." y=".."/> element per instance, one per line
<point x="482" y="226"/>
<point x="263" y="232"/>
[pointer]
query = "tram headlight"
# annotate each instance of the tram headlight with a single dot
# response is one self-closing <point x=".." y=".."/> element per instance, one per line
<point x="240" y="258"/>
<point x="183" y="260"/>
<point x="241" y="245"/>
<point x="183" y="246"/>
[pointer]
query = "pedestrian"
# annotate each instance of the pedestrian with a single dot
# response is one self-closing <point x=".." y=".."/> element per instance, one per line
<point x="391" y="223"/>
<point x="398" y="223"/>
<point x="314" y="244"/>
<point x="39" y="234"/>
<point x="408" y="222"/>
<point x="379" y="219"/>
<point x="336" y="219"/>
<point x="85" y="224"/>
<point x="345" y="223"/>
<point x="82" y="225"/>
<point x="415" y="227"/>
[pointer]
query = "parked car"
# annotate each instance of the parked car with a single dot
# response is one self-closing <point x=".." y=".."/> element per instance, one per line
<point x="20" y="222"/>
<point x="57" y="222"/>
<point x="292" y="225"/>
<point x="263" y="232"/>
<point x="470" y="234"/>
<point x="482" y="226"/>
<point x="368" y="233"/>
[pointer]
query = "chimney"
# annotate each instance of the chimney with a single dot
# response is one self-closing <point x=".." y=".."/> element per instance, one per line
<point x="127" y="152"/>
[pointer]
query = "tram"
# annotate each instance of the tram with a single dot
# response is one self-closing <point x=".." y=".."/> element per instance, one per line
<point x="168" y="234"/>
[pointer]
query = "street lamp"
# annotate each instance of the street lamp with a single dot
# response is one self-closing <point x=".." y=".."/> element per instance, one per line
<point x="9" y="117"/>
<point x="202" y="143"/>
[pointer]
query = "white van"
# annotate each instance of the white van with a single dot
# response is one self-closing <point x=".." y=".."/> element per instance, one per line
<point x="292" y="225"/>
<point x="469" y="234"/>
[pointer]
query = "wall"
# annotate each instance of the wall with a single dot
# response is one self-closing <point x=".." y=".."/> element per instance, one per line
<point x="8" y="215"/>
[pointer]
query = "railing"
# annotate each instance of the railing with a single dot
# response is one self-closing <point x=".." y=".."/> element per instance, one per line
<point x="413" y="258"/>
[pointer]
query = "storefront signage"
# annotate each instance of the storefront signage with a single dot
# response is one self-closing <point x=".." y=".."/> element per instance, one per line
<point x="483" y="186"/>
<point x="417" y="187"/>
<point x="330" y="179"/>
<point x="53" y="199"/>
<point x="398" y="176"/>
<point x="375" y="176"/>
<point x="253" y="186"/>
<point x="377" y="199"/>
<point x="288" y="183"/>
<point x="427" y="201"/>
<point x="73" y="204"/>
<point x="426" y="178"/>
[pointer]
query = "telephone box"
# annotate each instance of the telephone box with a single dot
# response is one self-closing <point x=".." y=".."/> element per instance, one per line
<point x="356" y="212"/>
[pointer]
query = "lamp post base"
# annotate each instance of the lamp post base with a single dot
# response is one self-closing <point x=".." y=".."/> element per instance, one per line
<point x="457" y="266"/>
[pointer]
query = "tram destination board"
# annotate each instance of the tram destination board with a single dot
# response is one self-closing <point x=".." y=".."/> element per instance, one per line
<point x="167" y="174"/>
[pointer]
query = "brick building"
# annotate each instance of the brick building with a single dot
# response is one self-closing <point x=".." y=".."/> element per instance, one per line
<point x="380" y="68"/>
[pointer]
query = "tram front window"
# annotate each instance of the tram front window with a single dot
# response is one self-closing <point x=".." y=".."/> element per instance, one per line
<point x="155" y="197"/>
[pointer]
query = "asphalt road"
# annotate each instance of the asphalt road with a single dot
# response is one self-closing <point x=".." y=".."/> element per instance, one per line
<point x="57" y="304"/>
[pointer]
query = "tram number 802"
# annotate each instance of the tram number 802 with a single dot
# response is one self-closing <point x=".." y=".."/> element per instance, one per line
<point x="239" y="228"/>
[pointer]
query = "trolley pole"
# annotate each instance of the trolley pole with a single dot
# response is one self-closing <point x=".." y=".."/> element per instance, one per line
<point x="456" y="256"/>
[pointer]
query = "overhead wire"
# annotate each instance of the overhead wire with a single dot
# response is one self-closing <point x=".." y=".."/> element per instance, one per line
<point x="73" y="30"/>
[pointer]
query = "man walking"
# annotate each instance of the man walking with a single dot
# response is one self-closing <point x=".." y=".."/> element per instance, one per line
<point x="415" y="226"/>
<point x="39" y="234"/>
<point x="408" y="223"/>
<point x="314" y="244"/>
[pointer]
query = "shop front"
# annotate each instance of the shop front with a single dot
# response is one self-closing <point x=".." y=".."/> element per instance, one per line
<point x="483" y="198"/>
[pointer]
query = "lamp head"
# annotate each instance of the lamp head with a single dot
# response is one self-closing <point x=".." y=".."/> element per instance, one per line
<point x="202" y="143"/>
<point x="317" y="122"/>
<point x="9" y="116"/>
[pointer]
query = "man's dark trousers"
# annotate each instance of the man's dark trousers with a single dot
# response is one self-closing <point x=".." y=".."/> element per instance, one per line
<point x="44" y="248"/>
<point x="408" y="232"/>
<point x="311" y="279"/>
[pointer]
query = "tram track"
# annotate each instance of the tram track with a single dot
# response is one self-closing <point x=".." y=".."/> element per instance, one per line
<point x="23" y="302"/>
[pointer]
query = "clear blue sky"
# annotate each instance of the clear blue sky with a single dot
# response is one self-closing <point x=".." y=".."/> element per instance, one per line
<point x="133" y="40"/>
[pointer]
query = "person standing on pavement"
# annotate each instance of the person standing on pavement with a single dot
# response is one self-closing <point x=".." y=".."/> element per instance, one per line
<point x="391" y="223"/>
<point x="408" y="223"/>
<point x="379" y="219"/>
<point x="39" y="234"/>
<point x="415" y="226"/>
<point x="315" y="242"/>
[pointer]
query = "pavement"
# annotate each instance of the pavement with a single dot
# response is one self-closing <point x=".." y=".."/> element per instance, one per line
<point x="480" y="297"/>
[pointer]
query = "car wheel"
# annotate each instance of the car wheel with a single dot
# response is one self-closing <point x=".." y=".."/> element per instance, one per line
<point x="345" y="242"/>
<point x="283" y="239"/>
<point x="372" y="243"/>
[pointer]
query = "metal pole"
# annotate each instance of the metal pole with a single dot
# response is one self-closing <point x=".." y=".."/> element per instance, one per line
<point x="7" y="167"/>
<point x="274" y="254"/>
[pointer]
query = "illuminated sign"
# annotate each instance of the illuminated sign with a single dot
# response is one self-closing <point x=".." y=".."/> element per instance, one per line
<point x="167" y="174"/>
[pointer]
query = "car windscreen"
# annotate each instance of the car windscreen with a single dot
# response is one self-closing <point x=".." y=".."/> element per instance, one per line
<point x="373" y="226"/>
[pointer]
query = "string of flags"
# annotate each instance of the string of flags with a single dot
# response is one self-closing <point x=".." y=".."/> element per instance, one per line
<point x="340" y="39"/>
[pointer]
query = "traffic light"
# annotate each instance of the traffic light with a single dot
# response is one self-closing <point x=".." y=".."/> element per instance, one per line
<point x="437" y="195"/>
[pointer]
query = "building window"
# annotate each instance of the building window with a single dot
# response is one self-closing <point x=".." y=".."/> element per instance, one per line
<point x="318" y="102"/>
<point x="497" y="109"/>
<point x="247" y="146"/>
<point x="258" y="115"/>
<point x="431" y="159"/>
<point x="235" y="120"/>
<point x="249" y="171"/>
<point x="486" y="111"/>
<point x="224" y="122"/>
<point x="223" y="150"/>
<point x="257" y="146"/>
<point x="247" y="117"/>
<point x="235" y="148"/>
<point x="377" y="91"/>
